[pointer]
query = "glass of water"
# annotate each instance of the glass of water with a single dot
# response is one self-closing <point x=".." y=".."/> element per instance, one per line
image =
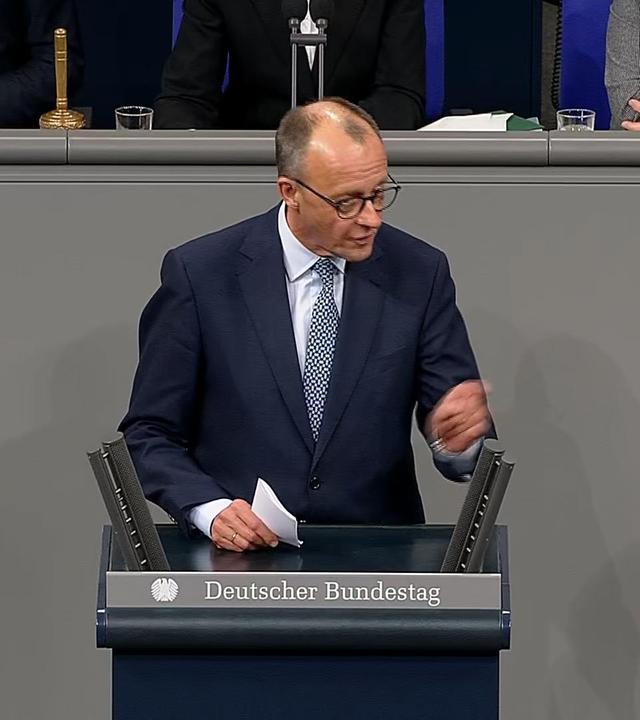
<point x="134" y="117"/>
<point x="576" y="120"/>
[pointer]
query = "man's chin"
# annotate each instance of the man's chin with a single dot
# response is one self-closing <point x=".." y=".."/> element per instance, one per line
<point x="358" y="251"/>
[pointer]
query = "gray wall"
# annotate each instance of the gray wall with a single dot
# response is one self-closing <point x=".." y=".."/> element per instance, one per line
<point x="546" y="266"/>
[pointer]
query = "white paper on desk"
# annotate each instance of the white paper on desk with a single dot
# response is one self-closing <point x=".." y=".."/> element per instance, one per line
<point x="483" y="122"/>
<point x="274" y="514"/>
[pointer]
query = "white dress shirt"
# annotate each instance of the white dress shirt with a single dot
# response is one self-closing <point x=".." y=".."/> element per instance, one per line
<point x="303" y="287"/>
<point x="308" y="26"/>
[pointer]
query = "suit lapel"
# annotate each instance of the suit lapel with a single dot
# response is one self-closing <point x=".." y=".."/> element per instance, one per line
<point x="346" y="15"/>
<point x="277" y="32"/>
<point x="276" y="29"/>
<point x="361" y="310"/>
<point x="262" y="280"/>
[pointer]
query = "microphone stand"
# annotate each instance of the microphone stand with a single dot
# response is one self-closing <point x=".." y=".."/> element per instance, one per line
<point x="322" y="34"/>
<point x="299" y="39"/>
<point x="294" y="26"/>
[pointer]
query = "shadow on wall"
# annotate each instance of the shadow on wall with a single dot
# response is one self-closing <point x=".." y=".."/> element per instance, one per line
<point x="573" y="500"/>
<point x="595" y="638"/>
<point x="49" y="537"/>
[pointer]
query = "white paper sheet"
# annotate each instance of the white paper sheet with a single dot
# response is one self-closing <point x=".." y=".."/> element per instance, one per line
<point x="483" y="122"/>
<point x="274" y="514"/>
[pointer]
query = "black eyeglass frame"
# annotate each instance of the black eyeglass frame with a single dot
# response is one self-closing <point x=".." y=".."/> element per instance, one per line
<point x="335" y="204"/>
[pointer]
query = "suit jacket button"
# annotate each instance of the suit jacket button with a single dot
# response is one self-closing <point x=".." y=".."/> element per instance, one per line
<point x="315" y="483"/>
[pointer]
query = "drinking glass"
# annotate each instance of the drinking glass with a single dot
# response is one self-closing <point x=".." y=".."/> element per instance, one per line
<point x="134" y="117"/>
<point x="576" y="120"/>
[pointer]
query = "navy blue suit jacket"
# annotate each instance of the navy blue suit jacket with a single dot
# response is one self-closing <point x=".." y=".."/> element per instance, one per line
<point x="218" y="399"/>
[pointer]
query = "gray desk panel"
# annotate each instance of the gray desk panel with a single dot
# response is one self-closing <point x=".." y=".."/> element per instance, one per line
<point x="613" y="149"/>
<point x="485" y="149"/>
<point x="239" y="175"/>
<point x="146" y="174"/>
<point x="171" y="147"/>
<point x="255" y="148"/>
<point x="28" y="147"/>
<point x="546" y="263"/>
<point x="179" y="147"/>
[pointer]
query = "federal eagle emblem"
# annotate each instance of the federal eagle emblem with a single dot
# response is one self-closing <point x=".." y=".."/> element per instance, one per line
<point x="164" y="590"/>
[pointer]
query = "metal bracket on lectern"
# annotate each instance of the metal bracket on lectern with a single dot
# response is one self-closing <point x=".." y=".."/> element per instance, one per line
<point x="298" y="39"/>
<point x="475" y="525"/>
<point x="133" y="526"/>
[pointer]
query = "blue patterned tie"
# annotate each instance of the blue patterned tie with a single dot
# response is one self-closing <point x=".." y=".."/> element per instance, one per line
<point x="320" y="346"/>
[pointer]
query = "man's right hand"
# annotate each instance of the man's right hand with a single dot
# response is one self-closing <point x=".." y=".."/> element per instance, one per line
<point x="238" y="529"/>
<point x="629" y="124"/>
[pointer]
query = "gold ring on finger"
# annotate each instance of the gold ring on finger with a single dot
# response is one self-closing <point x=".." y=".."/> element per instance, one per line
<point x="233" y="537"/>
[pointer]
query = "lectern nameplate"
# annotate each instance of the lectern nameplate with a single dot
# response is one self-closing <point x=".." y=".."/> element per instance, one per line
<point x="389" y="591"/>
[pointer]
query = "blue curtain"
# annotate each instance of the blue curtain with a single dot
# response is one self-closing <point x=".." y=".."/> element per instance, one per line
<point x="583" y="51"/>
<point x="177" y="18"/>
<point x="434" y="57"/>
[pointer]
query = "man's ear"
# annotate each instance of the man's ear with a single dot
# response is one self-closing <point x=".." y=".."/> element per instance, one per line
<point x="288" y="192"/>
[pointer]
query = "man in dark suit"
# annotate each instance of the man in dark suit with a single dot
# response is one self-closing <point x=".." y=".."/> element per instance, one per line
<point x="296" y="345"/>
<point x="374" y="57"/>
<point x="27" y="76"/>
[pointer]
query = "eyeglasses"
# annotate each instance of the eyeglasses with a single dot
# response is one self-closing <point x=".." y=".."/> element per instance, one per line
<point x="351" y="207"/>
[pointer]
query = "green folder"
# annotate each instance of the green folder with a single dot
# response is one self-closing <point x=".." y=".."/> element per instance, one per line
<point x="519" y="124"/>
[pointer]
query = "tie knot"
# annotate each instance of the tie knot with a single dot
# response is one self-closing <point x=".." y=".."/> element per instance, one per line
<point x="325" y="269"/>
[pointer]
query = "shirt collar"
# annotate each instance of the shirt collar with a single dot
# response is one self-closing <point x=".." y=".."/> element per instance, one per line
<point x="297" y="258"/>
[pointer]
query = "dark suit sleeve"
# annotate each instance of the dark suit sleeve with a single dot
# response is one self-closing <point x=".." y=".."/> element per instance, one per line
<point x="160" y="425"/>
<point x="397" y="101"/>
<point x="445" y="356"/>
<point x="29" y="91"/>
<point x="193" y="75"/>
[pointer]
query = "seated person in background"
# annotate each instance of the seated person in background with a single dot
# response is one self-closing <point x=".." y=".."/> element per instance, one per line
<point x="27" y="74"/>
<point x="622" y="74"/>
<point x="374" y="57"/>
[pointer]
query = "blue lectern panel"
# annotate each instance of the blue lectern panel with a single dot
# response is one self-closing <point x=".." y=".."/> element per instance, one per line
<point x="273" y="687"/>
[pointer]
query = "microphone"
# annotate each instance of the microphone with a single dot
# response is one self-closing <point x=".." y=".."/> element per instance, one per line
<point x="321" y="13"/>
<point x="294" y="11"/>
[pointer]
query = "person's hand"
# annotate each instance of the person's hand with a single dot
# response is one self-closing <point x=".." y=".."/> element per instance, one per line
<point x="237" y="528"/>
<point x="460" y="418"/>
<point x="629" y="124"/>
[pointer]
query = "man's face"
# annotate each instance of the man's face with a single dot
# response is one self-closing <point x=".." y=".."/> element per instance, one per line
<point x="338" y="167"/>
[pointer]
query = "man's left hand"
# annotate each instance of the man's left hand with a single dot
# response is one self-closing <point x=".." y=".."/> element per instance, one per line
<point x="461" y="417"/>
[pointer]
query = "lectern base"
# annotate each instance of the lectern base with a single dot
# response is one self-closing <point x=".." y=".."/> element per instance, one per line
<point x="175" y="686"/>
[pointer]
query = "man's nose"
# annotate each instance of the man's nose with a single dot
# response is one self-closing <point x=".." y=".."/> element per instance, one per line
<point x="369" y="216"/>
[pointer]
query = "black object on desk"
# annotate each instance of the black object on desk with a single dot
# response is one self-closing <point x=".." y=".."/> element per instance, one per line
<point x="474" y="528"/>
<point x="127" y="507"/>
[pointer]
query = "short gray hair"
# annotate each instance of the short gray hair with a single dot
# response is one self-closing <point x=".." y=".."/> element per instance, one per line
<point x="296" y="129"/>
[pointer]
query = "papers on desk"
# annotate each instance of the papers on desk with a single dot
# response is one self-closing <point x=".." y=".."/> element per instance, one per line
<point x="274" y="514"/>
<point x="497" y="121"/>
<point x="483" y="122"/>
